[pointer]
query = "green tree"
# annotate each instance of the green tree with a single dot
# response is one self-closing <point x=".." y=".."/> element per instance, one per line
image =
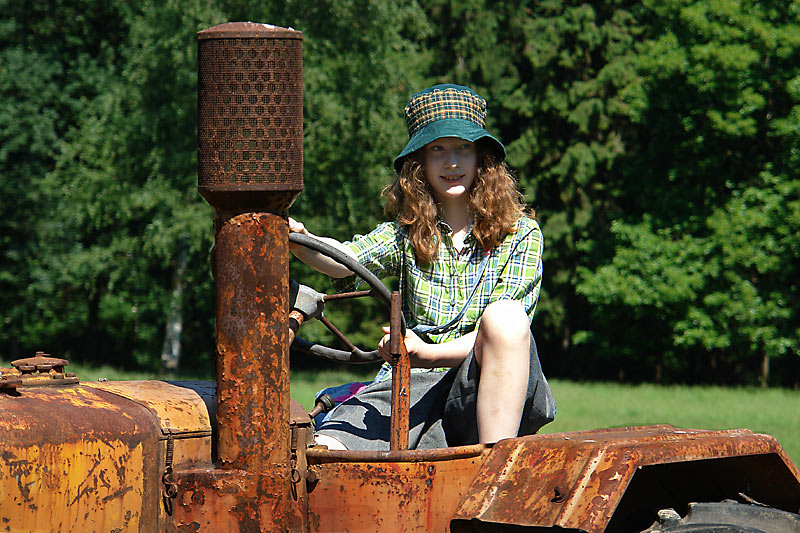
<point x="657" y="142"/>
<point x="46" y="51"/>
<point x="117" y="206"/>
<point x="115" y="199"/>
<point x="703" y="266"/>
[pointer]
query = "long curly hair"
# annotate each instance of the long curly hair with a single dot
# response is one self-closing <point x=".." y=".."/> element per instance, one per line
<point x="494" y="201"/>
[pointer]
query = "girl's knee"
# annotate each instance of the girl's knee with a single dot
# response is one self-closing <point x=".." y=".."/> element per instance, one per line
<point x="505" y="319"/>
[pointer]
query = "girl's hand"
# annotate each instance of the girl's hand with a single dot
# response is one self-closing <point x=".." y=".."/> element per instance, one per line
<point x="414" y="345"/>
<point x="295" y="226"/>
<point x="314" y="259"/>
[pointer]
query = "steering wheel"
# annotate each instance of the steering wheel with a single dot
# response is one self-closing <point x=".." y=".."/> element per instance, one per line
<point x="377" y="290"/>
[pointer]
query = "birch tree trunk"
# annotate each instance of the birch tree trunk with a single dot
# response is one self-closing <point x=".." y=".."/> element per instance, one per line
<point x="171" y="349"/>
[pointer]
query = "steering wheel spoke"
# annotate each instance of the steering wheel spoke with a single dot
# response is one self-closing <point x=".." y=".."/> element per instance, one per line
<point x="377" y="290"/>
<point x="339" y="335"/>
<point x="347" y="295"/>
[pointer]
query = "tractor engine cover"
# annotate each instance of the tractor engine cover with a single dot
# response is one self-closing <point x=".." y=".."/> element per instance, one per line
<point x="76" y="458"/>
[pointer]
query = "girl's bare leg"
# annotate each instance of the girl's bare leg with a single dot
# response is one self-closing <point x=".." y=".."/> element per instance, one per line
<point x="330" y="442"/>
<point x="502" y="350"/>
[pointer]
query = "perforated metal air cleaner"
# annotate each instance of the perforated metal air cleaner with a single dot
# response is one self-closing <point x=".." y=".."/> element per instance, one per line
<point x="250" y="116"/>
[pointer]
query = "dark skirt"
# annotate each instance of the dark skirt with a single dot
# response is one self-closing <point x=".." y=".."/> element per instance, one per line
<point x="443" y="409"/>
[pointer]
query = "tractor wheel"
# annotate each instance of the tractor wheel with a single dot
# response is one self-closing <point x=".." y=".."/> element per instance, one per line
<point x="726" y="517"/>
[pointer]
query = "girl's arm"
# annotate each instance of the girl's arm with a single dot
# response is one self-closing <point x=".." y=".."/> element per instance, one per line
<point x="316" y="260"/>
<point x="424" y="355"/>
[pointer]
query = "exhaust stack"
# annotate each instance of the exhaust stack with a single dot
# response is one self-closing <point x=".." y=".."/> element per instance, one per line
<point x="250" y="169"/>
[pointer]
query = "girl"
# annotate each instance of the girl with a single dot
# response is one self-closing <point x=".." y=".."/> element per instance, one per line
<point x="469" y="263"/>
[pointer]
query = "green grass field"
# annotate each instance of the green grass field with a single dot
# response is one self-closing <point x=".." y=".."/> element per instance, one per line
<point x="597" y="405"/>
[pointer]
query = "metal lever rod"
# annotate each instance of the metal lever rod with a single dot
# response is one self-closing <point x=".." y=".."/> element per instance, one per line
<point x="401" y="377"/>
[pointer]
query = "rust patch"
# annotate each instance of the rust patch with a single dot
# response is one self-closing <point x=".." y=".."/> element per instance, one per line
<point x="117" y="494"/>
<point x="408" y="493"/>
<point x="247" y="501"/>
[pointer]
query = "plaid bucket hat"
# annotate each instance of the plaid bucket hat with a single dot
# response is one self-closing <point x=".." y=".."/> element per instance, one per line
<point x="447" y="110"/>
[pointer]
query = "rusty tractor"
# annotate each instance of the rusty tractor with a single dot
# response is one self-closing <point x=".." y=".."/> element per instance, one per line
<point x="237" y="455"/>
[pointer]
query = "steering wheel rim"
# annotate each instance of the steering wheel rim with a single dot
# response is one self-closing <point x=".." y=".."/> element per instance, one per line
<point x="381" y="292"/>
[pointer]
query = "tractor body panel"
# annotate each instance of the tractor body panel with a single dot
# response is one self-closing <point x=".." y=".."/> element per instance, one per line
<point x="184" y="411"/>
<point x="76" y="458"/>
<point x="602" y="480"/>
<point x="93" y="457"/>
<point x="417" y="490"/>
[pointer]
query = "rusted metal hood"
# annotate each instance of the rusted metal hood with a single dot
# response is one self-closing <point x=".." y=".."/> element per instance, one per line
<point x="577" y="480"/>
<point x="75" y="458"/>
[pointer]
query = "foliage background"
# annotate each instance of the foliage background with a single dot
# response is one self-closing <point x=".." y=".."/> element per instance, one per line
<point x="658" y="142"/>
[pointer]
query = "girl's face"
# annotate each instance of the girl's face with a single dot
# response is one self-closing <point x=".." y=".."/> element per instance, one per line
<point x="450" y="167"/>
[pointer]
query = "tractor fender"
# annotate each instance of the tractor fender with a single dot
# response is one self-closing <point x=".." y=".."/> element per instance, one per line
<point x="618" y="479"/>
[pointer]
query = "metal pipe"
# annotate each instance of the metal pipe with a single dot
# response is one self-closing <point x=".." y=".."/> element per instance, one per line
<point x="252" y="266"/>
<point x="401" y="378"/>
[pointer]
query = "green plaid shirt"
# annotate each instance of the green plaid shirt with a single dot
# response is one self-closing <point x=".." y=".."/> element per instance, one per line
<point x="434" y="294"/>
